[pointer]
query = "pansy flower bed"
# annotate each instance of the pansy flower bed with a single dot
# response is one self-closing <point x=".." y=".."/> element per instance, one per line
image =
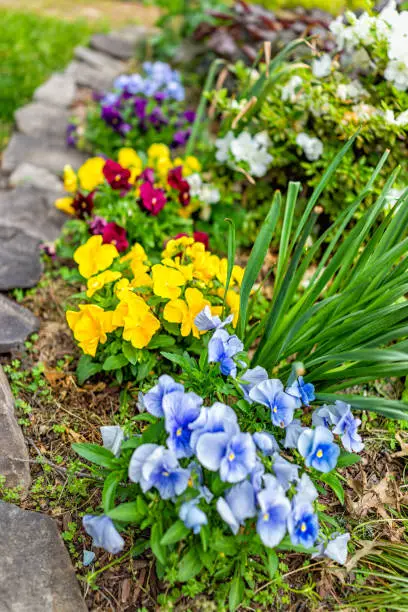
<point x="134" y="309"/>
<point x="145" y="199"/>
<point x="140" y="110"/>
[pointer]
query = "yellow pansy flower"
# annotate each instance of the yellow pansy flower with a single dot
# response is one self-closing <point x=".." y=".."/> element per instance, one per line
<point x="156" y="151"/>
<point x="185" y="269"/>
<point x="167" y="281"/>
<point x="65" y="205"/>
<point x="233" y="301"/>
<point x="95" y="283"/>
<point x="175" y="245"/>
<point x="184" y="312"/>
<point x="206" y="265"/>
<point x="128" y="158"/>
<point x="128" y="300"/>
<point x="90" y="325"/>
<point x="140" y="324"/>
<point x="90" y="174"/>
<point x="136" y="254"/>
<point x="236" y="275"/>
<point x="141" y="277"/>
<point x="163" y="165"/>
<point x="70" y="179"/>
<point x="93" y="256"/>
<point x="191" y="165"/>
<point x="122" y="288"/>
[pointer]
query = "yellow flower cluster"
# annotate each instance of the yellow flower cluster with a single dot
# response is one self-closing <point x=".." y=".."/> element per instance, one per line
<point x="139" y="298"/>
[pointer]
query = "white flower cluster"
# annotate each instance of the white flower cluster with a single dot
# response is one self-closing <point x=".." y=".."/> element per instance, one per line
<point x="390" y="26"/>
<point x="321" y="67"/>
<point x="205" y="192"/>
<point x="252" y="150"/>
<point x="312" y="147"/>
<point x="351" y="91"/>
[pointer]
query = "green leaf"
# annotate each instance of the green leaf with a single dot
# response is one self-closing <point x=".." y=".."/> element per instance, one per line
<point x="109" y="490"/>
<point x="158" y="550"/>
<point x="161" y="341"/>
<point x="128" y="512"/>
<point x="347" y="459"/>
<point x="96" y="454"/>
<point x="130" y="352"/>
<point x="153" y="432"/>
<point x="271" y="562"/>
<point x="175" y="533"/>
<point x="334" y="483"/>
<point x="236" y="592"/>
<point x="189" y="566"/>
<point x="86" y="368"/>
<point x="114" y="362"/>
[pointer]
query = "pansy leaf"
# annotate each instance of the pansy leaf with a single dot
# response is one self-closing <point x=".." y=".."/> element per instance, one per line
<point x="189" y="566"/>
<point x="130" y="352"/>
<point x="86" y="368"/>
<point x="109" y="490"/>
<point x="161" y="341"/>
<point x="334" y="483"/>
<point x="128" y="512"/>
<point x="114" y="362"/>
<point x="347" y="459"/>
<point x="271" y="561"/>
<point x="174" y="534"/>
<point x="158" y="549"/>
<point x="95" y="454"/>
<point x="236" y="592"/>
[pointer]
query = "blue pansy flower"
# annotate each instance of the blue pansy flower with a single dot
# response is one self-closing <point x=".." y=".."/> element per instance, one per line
<point x="275" y="508"/>
<point x="318" y="449"/>
<point x="222" y="348"/>
<point x="153" y="400"/>
<point x="326" y="416"/>
<point x="334" y="548"/>
<point x="192" y="516"/>
<point x="305" y="490"/>
<point x="156" y="466"/>
<point x="234" y="456"/>
<point x="180" y="410"/>
<point x="303" y="525"/>
<point x="196" y="480"/>
<point x="270" y="393"/>
<point x="286" y="472"/>
<point x="266" y="442"/>
<point x="346" y="428"/>
<point x="252" y="377"/>
<point x="112" y="438"/>
<point x="256" y="476"/>
<point x="205" y="321"/>
<point x="302" y="390"/>
<point x="293" y="431"/>
<point x="88" y="557"/>
<point x="237" y="505"/>
<point x="220" y="418"/>
<point x="103" y="533"/>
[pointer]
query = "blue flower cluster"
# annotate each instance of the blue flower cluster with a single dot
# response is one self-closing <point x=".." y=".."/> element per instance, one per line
<point x="260" y="484"/>
<point x="160" y="78"/>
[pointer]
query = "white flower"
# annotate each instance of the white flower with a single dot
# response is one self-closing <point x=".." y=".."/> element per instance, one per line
<point x="195" y="182"/>
<point x="223" y="147"/>
<point x="206" y="193"/>
<point x="397" y="73"/>
<point x="291" y="89"/>
<point x="312" y="147"/>
<point x="321" y="67"/>
<point x="364" y="112"/>
<point x="350" y="91"/>
<point x="403" y="118"/>
<point x="243" y="147"/>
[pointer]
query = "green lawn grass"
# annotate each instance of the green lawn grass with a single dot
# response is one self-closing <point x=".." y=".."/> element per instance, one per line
<point x="31" y="48"/>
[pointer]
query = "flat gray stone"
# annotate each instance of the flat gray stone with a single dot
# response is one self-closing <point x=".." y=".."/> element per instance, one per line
<point x="43" y="153"/>
<point x="32" y="210"/>
<point x="59" y="90"/>
<point x="98" y="60"/>
<point x="36" y="571"/>
<point x="94" y="78"/>
<point x="16" y="324"/>
<point x="20" y="263"/>
<point x="114" y="44"/>
<point x="42" y="120"/>
<point x="33" y="175"/>
<point x="14" y="458"/>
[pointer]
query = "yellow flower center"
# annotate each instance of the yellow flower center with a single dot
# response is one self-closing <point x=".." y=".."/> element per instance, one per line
<point x="231" y="457"/>
<point x="190" y="482"/>
<point x="275" y="410"/>
<point x="179" y="432"/>
<point x="303" y="527"/>
<point x="165" y="473"/>
<point x="319" y="454"/>
<point x="117" y="177"/>
<point x="266" y="517"/>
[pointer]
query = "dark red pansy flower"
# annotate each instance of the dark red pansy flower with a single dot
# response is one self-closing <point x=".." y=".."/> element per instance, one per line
<point x="116" y="235"/>
<point x="202" y="237"/>
<point x="175" y="177"/>
<point x="184" y="196"/>
<point x="97" y="225"/>
<point x="83" y="204"/>
<point x="147" y="175"/>
<point x="117" y="177"/>
<point x="152" y="199"/>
